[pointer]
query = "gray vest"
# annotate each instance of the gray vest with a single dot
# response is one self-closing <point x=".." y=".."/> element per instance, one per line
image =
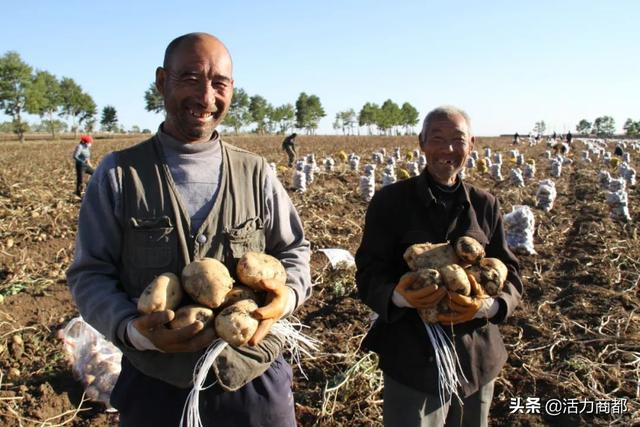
<point x="157" y="235"/>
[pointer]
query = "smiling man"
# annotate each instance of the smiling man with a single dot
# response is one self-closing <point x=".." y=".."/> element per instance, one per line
<point x="157" y="206"/>
<point x="437" y="206"/>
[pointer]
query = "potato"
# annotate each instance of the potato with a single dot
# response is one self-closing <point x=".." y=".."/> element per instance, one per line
<point x="207" y="281"/>
<point x="430" y="255"/>
<point x="469" y="250"/>
<point x="426" y="277"/>
<point x="237" y="293"/>
<point x="455" y="279"/>
<point x="491" y="274"/>
<point x="188" y="314"/>
<point x="163" y="293"/>
<point x="255" y="266"/>
<point x="235" y="324"/>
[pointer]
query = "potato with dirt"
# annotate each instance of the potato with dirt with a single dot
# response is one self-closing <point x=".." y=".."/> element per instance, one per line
<point x="455" y="279"/>
<point x="163" y="293"/>
<point x="254" y="267"/>
<point x="469" y="250"/>
<point x="235" y="324"/>
<point x="490" y="274"/>
<point x="238" y="293"/>
<point x="207" y="282"/>
<point x="189" y="314"/>
<point x="430" y="255"/>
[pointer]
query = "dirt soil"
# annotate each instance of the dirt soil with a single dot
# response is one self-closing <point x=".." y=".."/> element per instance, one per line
<point x="576" y="335"/>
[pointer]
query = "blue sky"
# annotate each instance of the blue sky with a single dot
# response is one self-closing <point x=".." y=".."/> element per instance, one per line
<point x="508" y="63"/>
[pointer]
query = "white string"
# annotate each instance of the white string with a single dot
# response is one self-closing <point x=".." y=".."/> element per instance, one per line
<point x="447" y="362"/>
<point x="192" y="405"/>
<point x="295" y="342"/>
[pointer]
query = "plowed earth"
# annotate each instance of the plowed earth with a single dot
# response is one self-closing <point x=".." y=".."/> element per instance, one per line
<point x="576" y="335"/>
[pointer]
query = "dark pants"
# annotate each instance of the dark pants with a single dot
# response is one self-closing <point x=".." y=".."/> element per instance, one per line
<point x="406" y="407"/>
<point x="291" y="152"/>
<point x="267" y="401"/>
<point x="81" y="169"/>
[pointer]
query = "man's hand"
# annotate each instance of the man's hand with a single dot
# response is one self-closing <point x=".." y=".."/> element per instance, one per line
<point x="466" y="308"/>
<point x="276" y="305"/>
<point x="426" y="297"/>
<point x="188" y="339"/>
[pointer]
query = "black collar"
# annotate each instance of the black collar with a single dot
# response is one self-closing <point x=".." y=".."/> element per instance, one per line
<point x="425" y="194"/>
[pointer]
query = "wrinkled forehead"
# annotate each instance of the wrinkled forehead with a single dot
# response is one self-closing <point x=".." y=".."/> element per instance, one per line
<point x="446" y="123"/>
<point x="200" y="50"/>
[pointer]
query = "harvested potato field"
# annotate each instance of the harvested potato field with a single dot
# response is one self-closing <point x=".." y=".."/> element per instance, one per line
<point x="573" y="342"/>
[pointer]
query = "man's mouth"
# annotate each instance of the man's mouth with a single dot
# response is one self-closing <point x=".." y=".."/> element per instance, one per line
<point x="201" y="114"/>
<point x="448" y="162"/>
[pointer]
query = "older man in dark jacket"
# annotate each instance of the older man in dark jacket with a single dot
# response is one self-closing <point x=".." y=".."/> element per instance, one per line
<point x="436" y="206"/>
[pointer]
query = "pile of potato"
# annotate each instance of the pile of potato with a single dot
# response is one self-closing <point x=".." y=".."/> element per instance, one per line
<point x="94" y="360"/>
<point x="461" y="268"/>
<point x="218" y="301"/>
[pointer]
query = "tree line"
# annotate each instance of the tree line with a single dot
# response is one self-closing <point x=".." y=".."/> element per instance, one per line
<point x="602" y="126"/>
<point x="25" y="90"/>
<point x="61" y="104"/>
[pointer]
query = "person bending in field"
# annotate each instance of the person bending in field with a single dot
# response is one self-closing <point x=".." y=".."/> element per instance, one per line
<point x="157" y="206"/>
<point x="82" y="159"/>
<point x="289" y="146"/>
<point x="436" y="206"/>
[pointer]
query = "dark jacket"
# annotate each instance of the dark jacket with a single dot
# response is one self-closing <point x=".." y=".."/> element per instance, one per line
<point x="405" y="213"/>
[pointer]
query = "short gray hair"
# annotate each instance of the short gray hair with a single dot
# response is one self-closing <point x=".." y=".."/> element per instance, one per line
<point x="442" y="112"/>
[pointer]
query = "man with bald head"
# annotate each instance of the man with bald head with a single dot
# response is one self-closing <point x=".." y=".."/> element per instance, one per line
<point x="157" y="206"/>
<point x="437" y="206"/>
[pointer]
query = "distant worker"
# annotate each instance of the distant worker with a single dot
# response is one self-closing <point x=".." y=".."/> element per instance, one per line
<point x="289" y="146"/>
<point x="516" y="139"/>
<point x="554" y="136"/>
<point x="82" y="157"/>
<point x="618" y="151"/>
<point x="569" y="137"/>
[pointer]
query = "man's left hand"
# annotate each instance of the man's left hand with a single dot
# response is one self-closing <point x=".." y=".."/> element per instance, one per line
<point x="276" y="305"/>
<point x="466" y="308"/>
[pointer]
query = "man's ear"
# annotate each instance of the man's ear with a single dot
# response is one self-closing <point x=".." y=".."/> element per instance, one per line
<point x="420" y="139"/>
<point x="473" y="142"/>
<point x="160" y="76"/>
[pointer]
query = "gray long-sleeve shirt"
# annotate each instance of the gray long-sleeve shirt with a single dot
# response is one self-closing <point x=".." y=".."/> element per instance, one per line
<point x="93" y="276"/>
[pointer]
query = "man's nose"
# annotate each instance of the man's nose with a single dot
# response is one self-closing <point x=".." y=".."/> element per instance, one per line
<point x="207" y="95"/>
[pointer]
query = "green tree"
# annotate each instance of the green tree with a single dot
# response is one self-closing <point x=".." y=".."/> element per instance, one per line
<point x="15" y="79"/>
<point x="631" y="128"/>
<point x="260" y="110"/>
<point x="540" y="127"/>
<point x="154" y="101"/>
<point x="604" y="126"/>
<point x="284" y="116"/>
<point x="309" y="111"/>
<point x="135" y="129"/>
<point x="109" y="120"/>
<point x="409" y="117"/>
<point x="238" y="115"/>
<point x="76" y="104"/>
<point x="583" y="127"/>
<point x="44" y="98"/>
<point x="345" y="121"/>
<point x="47" y="126"/>
<point x="368" y="115"/>
<point x="389" y="116"/>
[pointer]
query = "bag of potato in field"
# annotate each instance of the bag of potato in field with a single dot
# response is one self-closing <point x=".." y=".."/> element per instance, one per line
<point x="94" y="361"/>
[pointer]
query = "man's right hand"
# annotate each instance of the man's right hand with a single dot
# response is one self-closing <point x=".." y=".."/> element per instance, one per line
<point x="426" y="297"/>
<point x="188" y="339"/>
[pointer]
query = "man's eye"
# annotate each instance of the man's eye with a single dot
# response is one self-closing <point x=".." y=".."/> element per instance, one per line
<point x="190" y="79"/>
